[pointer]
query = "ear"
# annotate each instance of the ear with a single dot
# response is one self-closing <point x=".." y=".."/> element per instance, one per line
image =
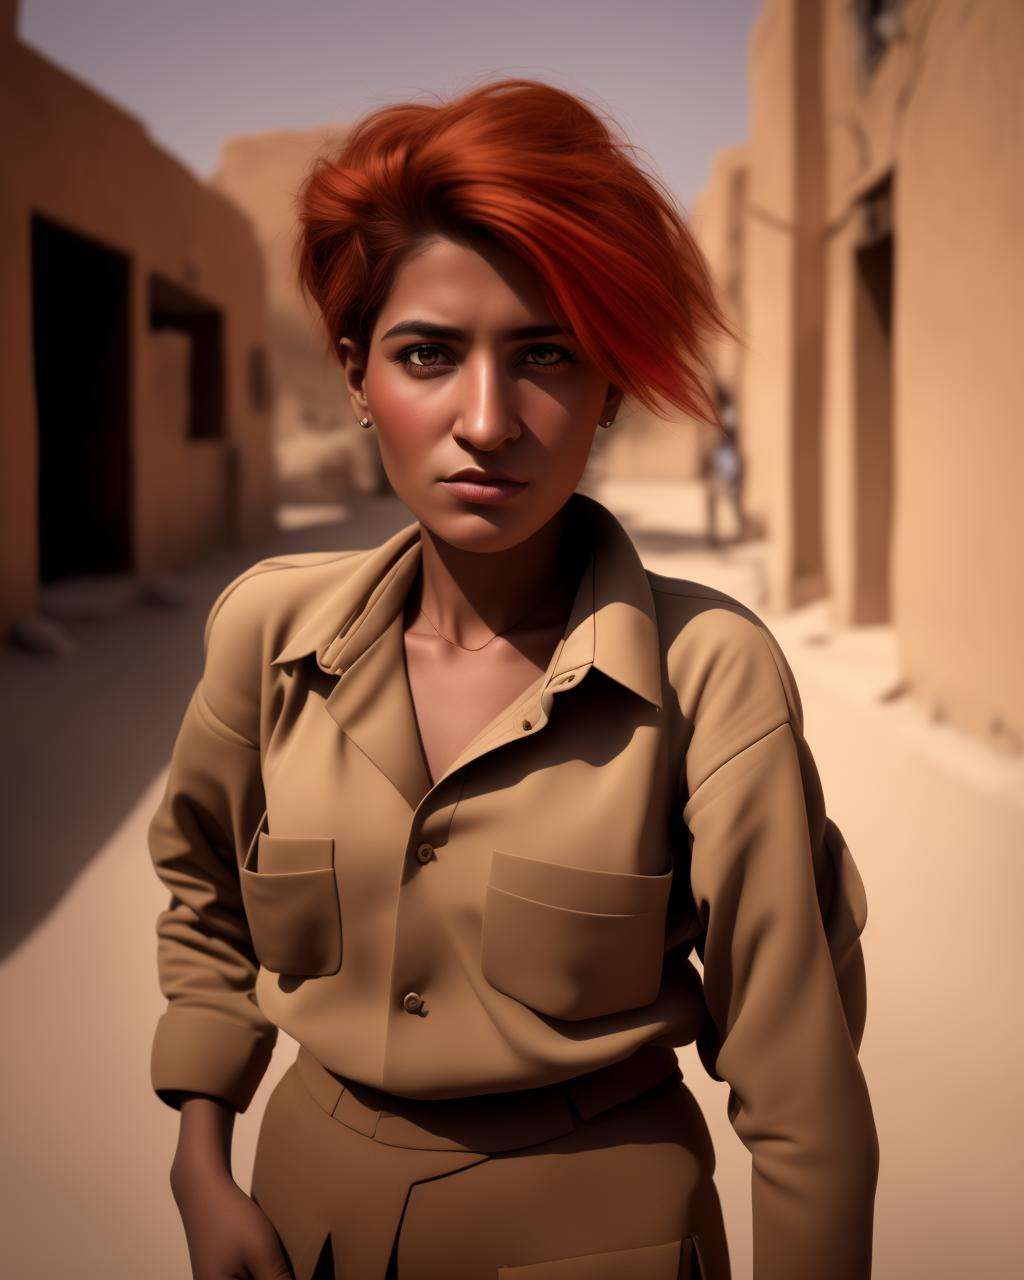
<point x="612" y="402"/>
<point x="353" y="363"/>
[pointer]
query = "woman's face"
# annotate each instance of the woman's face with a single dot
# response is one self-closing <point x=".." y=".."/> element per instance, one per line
<point x="468" y="370"/>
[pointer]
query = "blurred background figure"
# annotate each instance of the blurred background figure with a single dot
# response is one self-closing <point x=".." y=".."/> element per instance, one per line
<point x="723" y="469"/>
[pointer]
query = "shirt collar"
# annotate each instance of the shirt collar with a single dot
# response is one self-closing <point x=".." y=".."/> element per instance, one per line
<point x="612" y="624"/>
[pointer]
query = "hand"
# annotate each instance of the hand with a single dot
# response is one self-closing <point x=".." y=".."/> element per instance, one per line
<point x="228" y="1234"/>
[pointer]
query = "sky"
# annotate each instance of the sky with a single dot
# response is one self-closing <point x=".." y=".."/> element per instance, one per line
<point x="670" y="73"/>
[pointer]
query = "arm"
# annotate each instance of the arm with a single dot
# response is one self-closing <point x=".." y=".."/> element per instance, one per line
<point x="212" y="1039"/>
<point x="212" y="1045"/>
<point x="783" y="908"/>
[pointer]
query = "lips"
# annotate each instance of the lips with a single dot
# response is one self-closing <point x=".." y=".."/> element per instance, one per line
<point x="472" y="476"/>
<point x="478" y="486"/>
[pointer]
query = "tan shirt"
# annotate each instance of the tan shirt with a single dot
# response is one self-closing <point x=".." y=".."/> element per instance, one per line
<point x="531" y="915"/>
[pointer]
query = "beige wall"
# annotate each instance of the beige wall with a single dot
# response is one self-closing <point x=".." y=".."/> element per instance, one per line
<point x="177" y="465"/>
<point x="261" y="173"/>
<point x="73" y="157"/>
<point x="321" y="451"/>
<point x="719" y="222"/>
<point x="784" y="300"/>
<point x="770" y="264"/>
<point x="879" y="389"/>
<point x="958" y="567"/>
<point x="944" y="113"/>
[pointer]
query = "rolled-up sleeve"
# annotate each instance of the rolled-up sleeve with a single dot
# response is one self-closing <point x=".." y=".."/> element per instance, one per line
<point x="212" y="1037"/>
<point x="782" y="907"/>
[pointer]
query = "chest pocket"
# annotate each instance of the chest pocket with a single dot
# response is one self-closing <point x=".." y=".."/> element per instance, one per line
<point x="573" y="942"/>
<point x="290" y="894"/>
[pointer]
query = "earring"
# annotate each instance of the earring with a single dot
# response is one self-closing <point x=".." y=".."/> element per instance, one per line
<point x="608" y="423"/>
<point x="365" y="422"/>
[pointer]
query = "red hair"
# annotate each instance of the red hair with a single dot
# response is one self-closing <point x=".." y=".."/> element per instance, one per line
<point x="534" y="169"/>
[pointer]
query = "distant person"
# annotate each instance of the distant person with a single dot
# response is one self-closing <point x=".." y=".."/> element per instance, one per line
<point x="723" y="469"/>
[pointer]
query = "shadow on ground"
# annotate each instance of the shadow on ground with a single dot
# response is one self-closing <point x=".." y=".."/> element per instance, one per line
<point x="87" y="733"/>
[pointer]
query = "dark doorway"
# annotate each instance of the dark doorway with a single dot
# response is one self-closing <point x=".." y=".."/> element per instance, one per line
<point x="874" y="459"/>
<point x="172" y="307"/>
<point x="80" y="308"/>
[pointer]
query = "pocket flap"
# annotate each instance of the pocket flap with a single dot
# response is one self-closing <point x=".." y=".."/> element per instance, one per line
<point x="579" y="888"/>
<point x="290" y="893"/>
<point x="275" y="854"/>
<point x="573" y="942"/>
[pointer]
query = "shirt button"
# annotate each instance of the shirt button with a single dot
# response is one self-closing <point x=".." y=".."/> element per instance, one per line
<point x="527" y="724"/>
<point x="412" y="1002"/>
<point x="425" y="852"/>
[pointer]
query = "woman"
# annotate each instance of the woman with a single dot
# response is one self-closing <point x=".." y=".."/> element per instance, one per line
<point x="454" y="811"/>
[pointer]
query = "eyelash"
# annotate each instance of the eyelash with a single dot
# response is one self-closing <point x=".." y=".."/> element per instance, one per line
<point x="422" y="371"/>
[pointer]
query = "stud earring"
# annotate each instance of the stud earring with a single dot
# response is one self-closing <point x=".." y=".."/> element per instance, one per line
<point x="608" y="423"/>
<point x="365" y="422"/>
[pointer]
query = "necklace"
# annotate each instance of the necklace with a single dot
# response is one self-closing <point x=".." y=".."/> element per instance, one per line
<point x="476" y="648"/>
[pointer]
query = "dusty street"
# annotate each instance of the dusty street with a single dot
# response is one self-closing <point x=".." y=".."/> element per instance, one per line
<point x="934" y="821"/>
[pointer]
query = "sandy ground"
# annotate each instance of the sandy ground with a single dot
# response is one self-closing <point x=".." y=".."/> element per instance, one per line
<point x="934" y="820"/>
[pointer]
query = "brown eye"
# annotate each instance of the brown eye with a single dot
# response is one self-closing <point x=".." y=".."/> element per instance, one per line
<point x="426" y="354"/>
<point x="560" y="354"/>
<point x="419" y="351"/>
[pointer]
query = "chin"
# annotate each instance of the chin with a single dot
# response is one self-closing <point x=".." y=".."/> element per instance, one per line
<point x="481" y="528"/>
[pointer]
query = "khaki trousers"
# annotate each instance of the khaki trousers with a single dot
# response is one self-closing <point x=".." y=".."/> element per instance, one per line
<point x="608" y="1176"/>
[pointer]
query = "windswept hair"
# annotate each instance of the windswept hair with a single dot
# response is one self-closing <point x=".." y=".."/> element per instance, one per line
<point x="533" y="168"/>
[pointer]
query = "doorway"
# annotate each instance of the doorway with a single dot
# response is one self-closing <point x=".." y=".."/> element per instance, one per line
<point x="874" y="480"/>
<point x="80" y="333"/>
<point x="173" y="307"/>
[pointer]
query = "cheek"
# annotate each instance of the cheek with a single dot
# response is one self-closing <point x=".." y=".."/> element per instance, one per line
<point x="562" y="407"/>
<point x="407" y="420"/>
<point x="563" y="432"/>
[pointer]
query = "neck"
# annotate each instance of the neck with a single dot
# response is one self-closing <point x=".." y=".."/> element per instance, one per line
<point x="470" y="596"/>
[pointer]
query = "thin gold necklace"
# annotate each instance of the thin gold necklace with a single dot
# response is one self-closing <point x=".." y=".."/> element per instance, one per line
<point x="466" y="648"/>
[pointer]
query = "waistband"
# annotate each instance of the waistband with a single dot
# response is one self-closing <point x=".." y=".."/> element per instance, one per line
<point x="488" y="1122"/>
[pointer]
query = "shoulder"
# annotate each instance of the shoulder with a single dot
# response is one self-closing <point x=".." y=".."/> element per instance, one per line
<point x="274" y="591"/>
<point x="730" y="675"/>
<point x="249" y="619"/>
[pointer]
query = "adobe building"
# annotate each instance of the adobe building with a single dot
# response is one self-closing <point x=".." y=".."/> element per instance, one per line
<point x="134" y="402"/>
<point x="718" y="221"/>
<point x="320" y="450"/>
<point x="878" y="379"/>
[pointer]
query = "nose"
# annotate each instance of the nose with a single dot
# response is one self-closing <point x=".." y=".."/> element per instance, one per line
<point x="488" y="414"/>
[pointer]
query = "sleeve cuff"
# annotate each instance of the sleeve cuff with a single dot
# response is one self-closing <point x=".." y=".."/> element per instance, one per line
<point x="199" y="1052"/>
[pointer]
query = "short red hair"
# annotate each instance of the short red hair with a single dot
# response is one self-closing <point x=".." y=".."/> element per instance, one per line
<point x="533" y="168"/>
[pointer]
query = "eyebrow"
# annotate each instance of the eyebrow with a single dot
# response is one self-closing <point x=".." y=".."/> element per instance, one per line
<point x="431" y="330"/>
